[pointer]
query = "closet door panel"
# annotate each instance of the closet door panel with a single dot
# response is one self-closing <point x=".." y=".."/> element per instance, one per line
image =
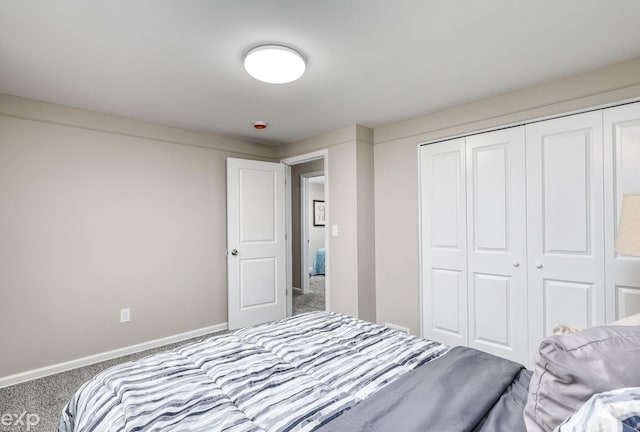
<point x="565" y="233"/>
<point x="628" y="301"/>
<point x="496" y="230"/>
<point x="558" y="294"/>
<point x="565" y="176"/>
<point x="622" y="175"/>
<point x="492" y="310"/>
<point x="444" y="242"/>
<point x="447" y="294"/>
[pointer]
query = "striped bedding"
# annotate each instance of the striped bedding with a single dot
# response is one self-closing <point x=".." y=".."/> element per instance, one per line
<point x="295" y="374"/>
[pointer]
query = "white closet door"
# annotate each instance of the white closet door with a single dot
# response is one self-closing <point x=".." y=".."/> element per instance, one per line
<point x="565" y="232"/>
<point x="444" y="242"/>
<point x="496" y="243"/>
<point x="622" y="175"/>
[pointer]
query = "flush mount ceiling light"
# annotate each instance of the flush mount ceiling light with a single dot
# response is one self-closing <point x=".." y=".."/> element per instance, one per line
<point x="274" y="64"/>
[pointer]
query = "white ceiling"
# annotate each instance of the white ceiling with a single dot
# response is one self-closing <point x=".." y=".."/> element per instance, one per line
<point x="372" y="62"/>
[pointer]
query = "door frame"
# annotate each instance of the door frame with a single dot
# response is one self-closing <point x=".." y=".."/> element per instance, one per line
<point x="296" y="160"/>
<point x="304" y="225"/>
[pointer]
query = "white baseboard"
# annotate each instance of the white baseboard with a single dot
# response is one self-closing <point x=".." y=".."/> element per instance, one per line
<point x="397" y="327"/>
<point x="97" y="358"/>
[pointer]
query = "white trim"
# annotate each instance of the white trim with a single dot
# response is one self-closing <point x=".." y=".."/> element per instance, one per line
<point x="304" y="237"/>
<point x="420" y="237"/>
<point x="327" y="209"/>
<point x="289" y="252"/>
<point x="108" y="355"/>
<point x="307" y="157"/>
<point x="533" y="120"/>
<point x="397" y="327"/>
<point x="304" y="225"/>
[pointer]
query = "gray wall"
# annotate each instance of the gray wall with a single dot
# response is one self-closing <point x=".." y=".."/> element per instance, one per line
<point x="99" y="213"/>
<point x="349" y="190"/>
<point x="296" y="253"/>
<point x="366" y="231"/>
<point x="396" y="169"/>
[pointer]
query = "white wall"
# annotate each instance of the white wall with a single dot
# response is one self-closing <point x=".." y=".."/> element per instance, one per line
<point x="396" y="169"/>
<point x="99" y="213"/>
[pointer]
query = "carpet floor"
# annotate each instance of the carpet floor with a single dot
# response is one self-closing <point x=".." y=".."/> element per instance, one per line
<point x="41" y="401"/>
<point x="36" y="405"/>
<point x="314" y="300"/>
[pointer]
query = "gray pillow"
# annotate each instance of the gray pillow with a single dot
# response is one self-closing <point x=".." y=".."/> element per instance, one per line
<point x="569" y="369"/>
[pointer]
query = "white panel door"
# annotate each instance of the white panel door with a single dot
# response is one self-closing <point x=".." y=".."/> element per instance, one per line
<point x="565" y="234"/>
<point x="444" y="243"/>
<point x="496" y="243"/>
<point x="256" y="245"/>
<point x="622" y="175"/>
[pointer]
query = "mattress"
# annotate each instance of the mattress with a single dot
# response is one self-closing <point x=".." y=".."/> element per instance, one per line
<point x="296" y="374"/>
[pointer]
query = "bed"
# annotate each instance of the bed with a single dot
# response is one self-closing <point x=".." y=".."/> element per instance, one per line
<point x="319" y="371"/>
<point x="318" y="263"/>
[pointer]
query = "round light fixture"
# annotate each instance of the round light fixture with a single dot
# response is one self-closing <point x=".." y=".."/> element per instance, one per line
<point x="274" y="64"/>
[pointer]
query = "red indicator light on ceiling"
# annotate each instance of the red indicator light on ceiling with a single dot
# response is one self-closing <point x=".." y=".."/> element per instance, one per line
<point x="260" y="125"/>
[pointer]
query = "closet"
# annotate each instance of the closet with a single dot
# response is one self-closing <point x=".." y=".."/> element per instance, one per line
<point x="518" y="228"/>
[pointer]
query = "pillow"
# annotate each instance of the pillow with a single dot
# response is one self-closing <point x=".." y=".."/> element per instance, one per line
<point x="633" y="320"/>
<point x="617" y="410"/>
<point x="569" y="369"/>
<point x="562" y="329"/>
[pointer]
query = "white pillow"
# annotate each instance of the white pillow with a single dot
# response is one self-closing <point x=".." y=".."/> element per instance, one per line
<point x="563" y="329"/>
<point x="633" y="320"/>
<point x="617" y="410"/>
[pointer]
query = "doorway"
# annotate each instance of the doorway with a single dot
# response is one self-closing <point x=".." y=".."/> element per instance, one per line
<point x="308" y="209"/>
<point x="309" y="295"/>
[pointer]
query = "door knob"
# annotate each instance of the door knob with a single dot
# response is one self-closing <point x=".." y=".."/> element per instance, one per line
<point x="516" y="263"/>
<point x="234" y="252"/>
<point x="538" y="264"/>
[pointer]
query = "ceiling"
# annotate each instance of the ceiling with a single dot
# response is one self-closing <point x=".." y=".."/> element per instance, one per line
<point x="371" y="62"/>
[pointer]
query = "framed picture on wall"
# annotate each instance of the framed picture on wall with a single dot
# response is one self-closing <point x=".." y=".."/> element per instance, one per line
<point x="318" y="213"/>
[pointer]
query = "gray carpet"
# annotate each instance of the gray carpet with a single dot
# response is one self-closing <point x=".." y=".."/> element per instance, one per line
<point x="46" y="397"/>
<point x="42" y="400"/>
<point x="313" y="301"/>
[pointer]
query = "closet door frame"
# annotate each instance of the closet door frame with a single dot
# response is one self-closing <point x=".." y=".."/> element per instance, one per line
<point x="612" y="192"/>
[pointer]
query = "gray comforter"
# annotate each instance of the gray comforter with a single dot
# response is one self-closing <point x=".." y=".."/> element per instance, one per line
<point x="464" y="390"/>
